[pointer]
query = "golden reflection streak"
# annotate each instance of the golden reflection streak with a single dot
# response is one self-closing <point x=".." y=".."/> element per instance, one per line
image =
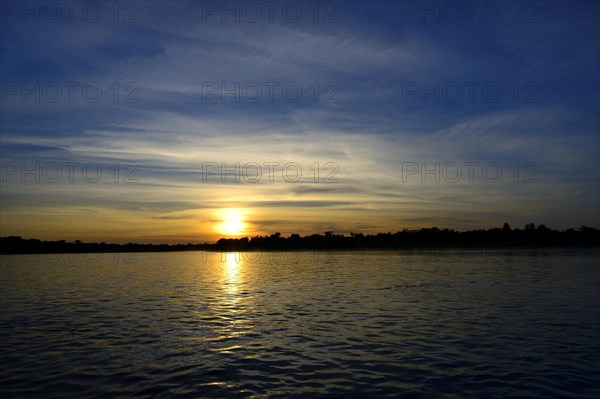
<point x="232" y="301"/>
<point x="232" y="264"/>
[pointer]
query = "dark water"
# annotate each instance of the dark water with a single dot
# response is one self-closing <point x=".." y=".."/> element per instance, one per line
<point x="491" y="324"/>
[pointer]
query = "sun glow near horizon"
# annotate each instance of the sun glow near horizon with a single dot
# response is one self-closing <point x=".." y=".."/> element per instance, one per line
<point x="232" y="222"/>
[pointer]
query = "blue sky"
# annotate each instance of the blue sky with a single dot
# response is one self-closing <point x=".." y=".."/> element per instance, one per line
<point x="399" y="83"/>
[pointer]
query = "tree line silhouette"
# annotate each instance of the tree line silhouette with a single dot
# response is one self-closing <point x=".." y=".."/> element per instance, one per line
<point x="431" y="237"/>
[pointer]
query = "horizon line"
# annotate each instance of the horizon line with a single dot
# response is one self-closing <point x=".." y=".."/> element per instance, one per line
<point x="529" y="226"/>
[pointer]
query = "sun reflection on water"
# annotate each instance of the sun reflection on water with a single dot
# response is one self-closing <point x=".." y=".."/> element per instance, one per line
<point x="234" y="298"/>
<point x="231" y="271"/>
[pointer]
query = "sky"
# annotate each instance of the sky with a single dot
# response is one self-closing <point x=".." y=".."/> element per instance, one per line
<point x="187" y="121"/>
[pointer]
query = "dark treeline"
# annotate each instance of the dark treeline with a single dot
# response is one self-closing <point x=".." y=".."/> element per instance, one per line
<point x="18" y="245"/>
<point x="433" y="237"/>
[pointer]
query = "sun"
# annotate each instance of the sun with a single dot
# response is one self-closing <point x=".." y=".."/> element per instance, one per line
<point x="232" y="222"/>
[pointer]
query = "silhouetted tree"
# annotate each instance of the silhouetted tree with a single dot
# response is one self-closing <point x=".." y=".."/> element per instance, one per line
<point x="425" y="237"/>
<point x="530" y="226"/>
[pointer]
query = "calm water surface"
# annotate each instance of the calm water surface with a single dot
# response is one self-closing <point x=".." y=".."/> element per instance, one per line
<point x="498" y="323"/>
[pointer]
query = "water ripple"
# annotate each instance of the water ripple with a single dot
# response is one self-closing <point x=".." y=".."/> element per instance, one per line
<point x="344" y="325"/>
